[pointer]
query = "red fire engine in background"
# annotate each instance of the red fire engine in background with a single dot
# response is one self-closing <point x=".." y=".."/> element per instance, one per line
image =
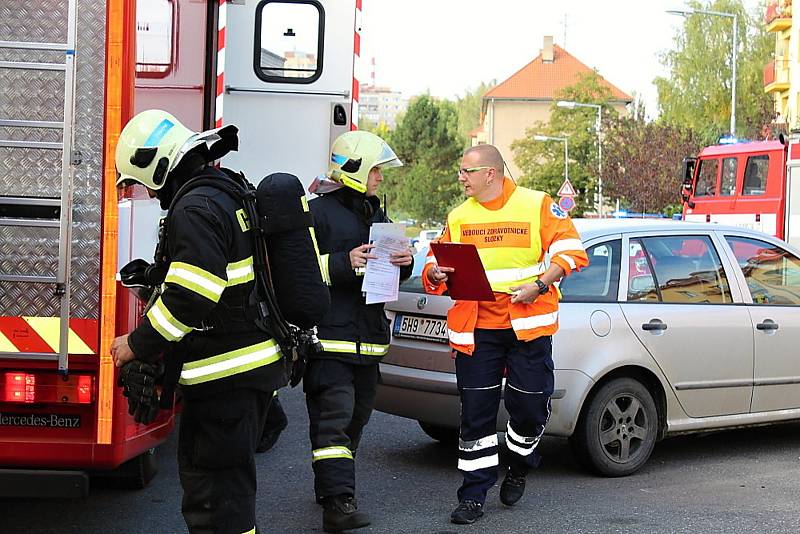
<point x="755" y="185"/>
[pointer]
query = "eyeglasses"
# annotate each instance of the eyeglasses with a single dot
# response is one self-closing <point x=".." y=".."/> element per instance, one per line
<point x="465" y="172"/>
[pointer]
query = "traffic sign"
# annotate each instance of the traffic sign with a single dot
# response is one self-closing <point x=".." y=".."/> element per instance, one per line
<point x="567" y="190"/>
<point x="566" y="203"/>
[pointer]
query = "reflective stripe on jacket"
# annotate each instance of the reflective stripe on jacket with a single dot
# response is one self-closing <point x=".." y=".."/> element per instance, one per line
<point x="352" y="331"/>
<point x="202" y="321"/>
<point x="513" y="243"/>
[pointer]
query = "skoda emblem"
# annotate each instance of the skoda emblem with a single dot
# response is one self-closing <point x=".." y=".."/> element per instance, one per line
<point x="422" y="302"/>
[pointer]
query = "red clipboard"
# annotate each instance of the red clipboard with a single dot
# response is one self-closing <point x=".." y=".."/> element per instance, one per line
<point x="469" y="281"/>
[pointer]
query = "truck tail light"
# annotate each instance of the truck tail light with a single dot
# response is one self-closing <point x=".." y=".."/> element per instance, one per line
<point x="84" y="389"/>
<point x="21" y="387"/>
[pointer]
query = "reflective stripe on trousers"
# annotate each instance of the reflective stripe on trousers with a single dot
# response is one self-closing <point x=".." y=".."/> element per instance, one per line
<point x="327" y="453"/>
<point x="478" y="454"/>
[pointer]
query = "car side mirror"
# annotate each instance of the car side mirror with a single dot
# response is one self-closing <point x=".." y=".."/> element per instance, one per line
<point x="688" y="172"/>
<point x="688" y="178"/>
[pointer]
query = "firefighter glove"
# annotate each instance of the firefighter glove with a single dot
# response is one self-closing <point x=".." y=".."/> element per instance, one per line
<point x="138" y="380"/>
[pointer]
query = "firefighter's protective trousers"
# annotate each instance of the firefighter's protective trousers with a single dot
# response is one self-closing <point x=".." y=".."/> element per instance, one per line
<point x="340" y="397"/>
<point x="529" y="385"/>
<point x="216" y="443"/>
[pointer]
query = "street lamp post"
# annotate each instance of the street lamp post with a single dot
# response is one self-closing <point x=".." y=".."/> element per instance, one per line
<point x="565" y="140"/>
<point x="691" y="11"/>
<point x="572" y="105"/>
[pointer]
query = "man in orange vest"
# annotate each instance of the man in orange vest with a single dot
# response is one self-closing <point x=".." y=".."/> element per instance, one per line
<point x="515" y="230"/>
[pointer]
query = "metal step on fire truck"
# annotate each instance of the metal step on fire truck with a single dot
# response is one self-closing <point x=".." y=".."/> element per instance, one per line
<point x="71" y="73"/>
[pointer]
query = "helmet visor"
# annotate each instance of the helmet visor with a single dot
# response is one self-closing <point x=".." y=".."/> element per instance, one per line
<point x="387" y="158"/>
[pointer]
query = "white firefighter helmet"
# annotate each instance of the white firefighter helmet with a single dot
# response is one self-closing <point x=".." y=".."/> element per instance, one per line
<point x="154" y="142"/>
<point x="149" y="147"/>
<point x="355" y="153"/>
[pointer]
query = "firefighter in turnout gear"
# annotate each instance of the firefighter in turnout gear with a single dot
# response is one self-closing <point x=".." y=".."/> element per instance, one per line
<point x="340" y="382"/>
<point x="202" y="322"/>
<point x="514" y="230"/>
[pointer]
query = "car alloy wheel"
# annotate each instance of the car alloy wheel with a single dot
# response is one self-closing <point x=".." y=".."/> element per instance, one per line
<point x="617" y="429"/>
<point x="623" y="427"/>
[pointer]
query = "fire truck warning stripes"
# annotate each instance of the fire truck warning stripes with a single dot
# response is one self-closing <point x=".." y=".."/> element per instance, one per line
<point x="356" y="57"/>
<point x="40" y="334"/>
<point x="221" y="26"/>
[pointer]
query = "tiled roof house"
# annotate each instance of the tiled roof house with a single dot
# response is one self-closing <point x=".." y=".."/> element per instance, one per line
<point x="527" y="97"/>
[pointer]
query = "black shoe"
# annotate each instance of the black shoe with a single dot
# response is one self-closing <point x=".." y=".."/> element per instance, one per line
<point x="275" y="424"/>
<point x="513" y="488"/>
<point x="466" y="513"/>
<point x="341" y="513"/>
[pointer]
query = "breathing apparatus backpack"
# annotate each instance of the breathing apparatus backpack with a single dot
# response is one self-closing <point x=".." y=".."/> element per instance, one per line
<point x="290" y="296"/>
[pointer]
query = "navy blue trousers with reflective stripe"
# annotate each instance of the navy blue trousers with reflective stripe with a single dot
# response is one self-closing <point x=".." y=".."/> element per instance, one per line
<point x="527" y="394"/>
<point x="339" y="397"/>
<point x="216" y="445"/>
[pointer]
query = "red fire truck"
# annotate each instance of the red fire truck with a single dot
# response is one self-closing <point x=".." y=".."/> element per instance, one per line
<point x="754" y="185"/>
<point x="72" y="74"/>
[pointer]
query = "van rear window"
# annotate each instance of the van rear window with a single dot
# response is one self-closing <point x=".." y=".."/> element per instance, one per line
<point x="755" y="175"/>
<point x="155" y="29"/>
<point x="289" y="40"/>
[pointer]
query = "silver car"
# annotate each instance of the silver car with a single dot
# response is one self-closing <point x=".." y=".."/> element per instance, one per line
<point x="674" y="327"/>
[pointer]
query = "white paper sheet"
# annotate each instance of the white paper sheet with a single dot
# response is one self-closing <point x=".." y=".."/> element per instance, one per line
<point x="382" y="279"/>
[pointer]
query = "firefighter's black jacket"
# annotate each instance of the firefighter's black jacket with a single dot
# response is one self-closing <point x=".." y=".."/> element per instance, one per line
<point x="352" y="331"/>
<point x="202" y="317"/>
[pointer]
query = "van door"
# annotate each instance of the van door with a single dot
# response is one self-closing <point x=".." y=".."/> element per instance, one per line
<point x="288" y="75"/>
<point x="682" y="307"/>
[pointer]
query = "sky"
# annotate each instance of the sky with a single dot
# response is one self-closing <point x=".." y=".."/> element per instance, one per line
<point x="446" y="47"/>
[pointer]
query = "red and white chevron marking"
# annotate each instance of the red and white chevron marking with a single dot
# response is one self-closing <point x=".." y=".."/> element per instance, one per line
<point x="41" y="334"/>
<point x="223" y="12"/>
<point x="356" y="63"/>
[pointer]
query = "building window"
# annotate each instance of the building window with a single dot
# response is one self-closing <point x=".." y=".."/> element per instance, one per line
<point x="155" y="45"/>
<point x="289" y="41"/>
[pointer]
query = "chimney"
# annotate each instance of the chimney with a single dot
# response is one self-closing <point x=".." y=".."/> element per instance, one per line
<point x="547" y="49"/>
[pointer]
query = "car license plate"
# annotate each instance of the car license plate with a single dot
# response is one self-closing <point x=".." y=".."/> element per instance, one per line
<point x="418" y="327"/>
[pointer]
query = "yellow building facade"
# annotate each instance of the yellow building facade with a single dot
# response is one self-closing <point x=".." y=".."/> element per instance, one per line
<point x="782" y="74"/>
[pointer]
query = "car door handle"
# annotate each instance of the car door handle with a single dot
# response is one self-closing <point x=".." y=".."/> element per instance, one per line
<point x="654" y="324"/>
<point x="768" y="324"/>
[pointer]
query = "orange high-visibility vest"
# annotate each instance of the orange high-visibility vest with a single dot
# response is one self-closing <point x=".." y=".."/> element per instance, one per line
<point x="510" y="247"/>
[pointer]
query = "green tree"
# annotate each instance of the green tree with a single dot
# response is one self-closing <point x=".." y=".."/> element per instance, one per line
<point x="427" y="141"/>
<point x="642" y="161"/>
<point x="380" y="129"/>
<point x="542" y="163"/>
<point x="697" y="92"/>
<point x="469" y="107"/>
